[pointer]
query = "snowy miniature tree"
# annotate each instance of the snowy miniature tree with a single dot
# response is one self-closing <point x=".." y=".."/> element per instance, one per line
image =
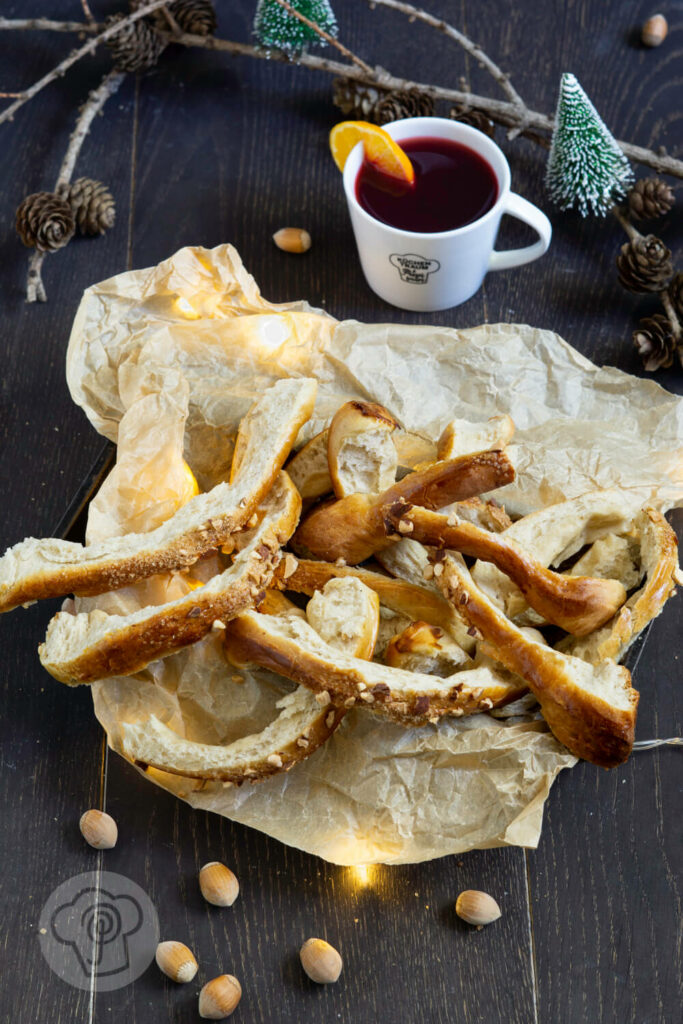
<point x="586" y="168"/>
<point x="277" y="29"/>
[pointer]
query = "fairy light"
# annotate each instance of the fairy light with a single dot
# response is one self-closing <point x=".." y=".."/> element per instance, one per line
<point x="363" y="874"/>
<point x="186" y="308"/>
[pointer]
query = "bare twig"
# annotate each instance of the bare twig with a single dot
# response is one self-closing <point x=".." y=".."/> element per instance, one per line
<point x="86" y="10"/>
<point x="475" y="51"/>
<point x="76" y="55"/>
<point x="35" y="290"/>
<point x="171" y="22"/>
<point x="630" y="229"/>
<point x="24" y="24"/>
<point x="326" y="36"/>
<point x="499" y="110"/>
<point x="676" y="328"/>
<point x="515" y="115"/>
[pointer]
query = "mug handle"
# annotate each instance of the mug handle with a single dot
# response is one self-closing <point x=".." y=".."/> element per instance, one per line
<point x="521" y="208"/>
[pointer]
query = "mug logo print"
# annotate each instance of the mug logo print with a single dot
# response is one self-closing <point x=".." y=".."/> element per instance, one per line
<point x="414" y="269"/>
<point x="99" y="927"/>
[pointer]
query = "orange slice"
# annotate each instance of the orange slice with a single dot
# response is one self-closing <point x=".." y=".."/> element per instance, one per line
<point x="380" y="149"/>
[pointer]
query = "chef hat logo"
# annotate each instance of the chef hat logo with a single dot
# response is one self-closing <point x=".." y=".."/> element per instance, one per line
<point x="102" y="927"/>
<point x="414" y="269"/>
<point x="97" y="926"/>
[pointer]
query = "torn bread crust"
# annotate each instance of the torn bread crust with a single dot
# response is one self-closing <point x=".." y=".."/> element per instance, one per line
<point x="293" y="649"/>
<point x="36" y="569"/>
<point x="309" y="469"/>
<point x="659" y="561"/>
<point x="300" y="727"/>
<point x="93" y="645"/>
<point x="345" y="613"/>
<point x="408" y="599"/>
<point x="361" y="454"/>
<point x="352" y="528"/>
<point x="591" y="709"/>
<point x="461" y="436"/>
<point x="578" y="604"/>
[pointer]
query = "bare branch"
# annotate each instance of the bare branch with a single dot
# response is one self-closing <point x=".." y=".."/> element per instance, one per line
<point x="35" y="290"/>
<point x="24" y="24"/>
<point x="76" y="55"/>
<point x="676" y="328"/>
<point x="86" y="10"/>
<point x="326" y="36"/>
<point x="504" y="113"/>
<point x="475" y="51"/>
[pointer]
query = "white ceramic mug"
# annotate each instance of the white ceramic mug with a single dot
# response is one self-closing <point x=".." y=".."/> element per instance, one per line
<point x="427" y="271"/>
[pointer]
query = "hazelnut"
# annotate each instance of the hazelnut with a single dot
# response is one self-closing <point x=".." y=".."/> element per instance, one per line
<point x="176" y="961"/>
<point x="654" y="30"/>
<point x="219" y="997"/>
<point x="477" y="907"/>
<point x="219" y="884"/>
<point x="99" y="829"/>
<point x="292" y="240"/>
<point x="321" y="961"/>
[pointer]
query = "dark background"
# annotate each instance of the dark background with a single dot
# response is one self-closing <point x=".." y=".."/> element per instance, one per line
<point x="205" y="149"/>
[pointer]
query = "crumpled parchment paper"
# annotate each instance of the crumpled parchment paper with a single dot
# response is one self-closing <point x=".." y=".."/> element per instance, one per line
<point x="167" y="360"/>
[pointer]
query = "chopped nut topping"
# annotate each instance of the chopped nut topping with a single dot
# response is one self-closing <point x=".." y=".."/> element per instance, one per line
<point x="362" y="686"/>
<point x="301" y="742"/>
<point x="421" y="705"/>
<point x="275" y="760"/>
<point x="367" y="697"/>
<point x="457" y="712"/>
<point x="217" y="625"/>
<point x="486" y="703"/>
<point x="438" y="569"/>
<point x="227" y="784"/>
<point x="329" y="720"/>
<point x="252" y="521"/>
<point x="428" y="572"/>
<point x="290" y="566"/>
<point x="349" y="702"/>
<point x="194" y="613"/>
<point x="405" y="527"/>
<point x="323" y="698"/>
<point x="453" y="519"/>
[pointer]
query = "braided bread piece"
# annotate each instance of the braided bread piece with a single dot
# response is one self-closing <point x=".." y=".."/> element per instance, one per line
<point x="352" y="528"/>
<point x="578" y="604"/>
<point x="304" y="720"/>
<point x="37" y="569"/>
<point x="289" y="646"/>
<point x="589" y="708"/>
<point x="93" y="645"/>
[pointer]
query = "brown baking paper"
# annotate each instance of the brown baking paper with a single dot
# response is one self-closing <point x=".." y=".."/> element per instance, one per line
<point x="167" y="360"/>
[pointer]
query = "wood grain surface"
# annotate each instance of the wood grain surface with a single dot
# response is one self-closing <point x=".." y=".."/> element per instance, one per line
<point x="206" y="149"/>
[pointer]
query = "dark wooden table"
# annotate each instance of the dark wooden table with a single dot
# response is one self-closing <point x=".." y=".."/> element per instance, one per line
<point x="209" y="148"/>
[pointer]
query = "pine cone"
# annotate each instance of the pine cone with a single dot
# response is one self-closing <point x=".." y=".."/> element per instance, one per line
<point x="45" y="221"/>
<point x="354" y="99"/>
<point x="403" y="103"/>
<point x="655" y="342"/>
<point x="475" y="118"/>
<point x="644" y="264"/>
<point x="92" y="205"/>
<point x="197" y="17"/>
<point x="650" y="198"/>
<point x="675" y="289"/>
<point x="136" y="47"/>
